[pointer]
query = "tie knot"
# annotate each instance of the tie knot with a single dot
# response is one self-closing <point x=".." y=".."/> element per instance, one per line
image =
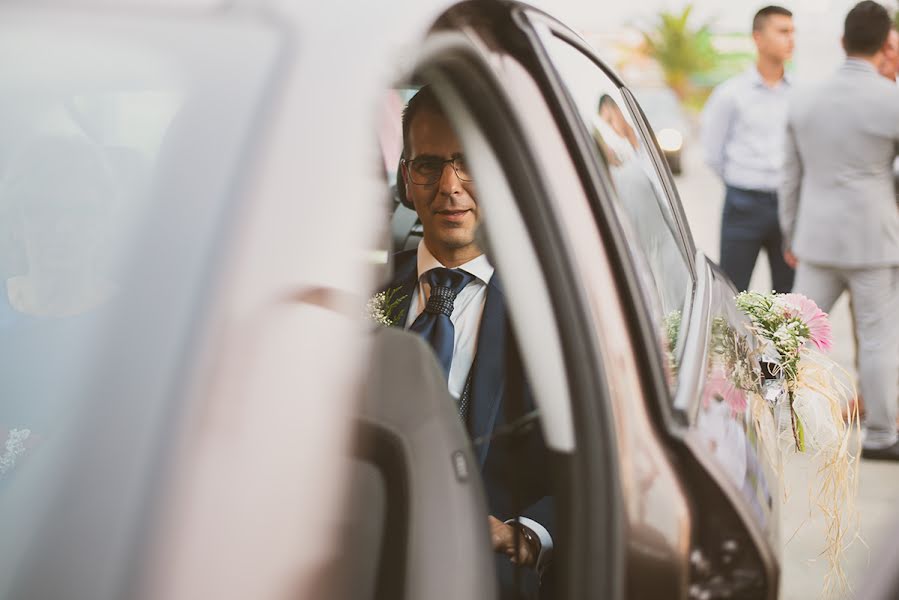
<point x="445" y="286"/>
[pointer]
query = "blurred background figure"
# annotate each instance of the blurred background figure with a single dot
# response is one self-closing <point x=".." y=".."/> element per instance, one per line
<point x="57" y="195"/>
<point x="610" y="112"/>
<point x="838" y="208"/>
<point x="890" y="65"/>
<point x="641" y="195"/>
<point x="59" y="190"/>
<point x="742" y="135"/>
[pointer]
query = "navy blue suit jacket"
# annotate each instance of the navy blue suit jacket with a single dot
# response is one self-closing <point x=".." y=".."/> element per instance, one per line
<point x="514" y="469"/>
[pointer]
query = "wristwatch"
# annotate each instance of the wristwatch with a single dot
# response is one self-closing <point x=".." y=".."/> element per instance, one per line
<point x="530" y="538"/>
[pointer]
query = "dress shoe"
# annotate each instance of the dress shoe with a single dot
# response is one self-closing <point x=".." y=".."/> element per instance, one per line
<point x="888" y="453"/>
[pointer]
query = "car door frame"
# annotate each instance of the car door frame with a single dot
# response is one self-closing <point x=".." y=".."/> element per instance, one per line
<point x="473" y="66"/>
<point x="678" y="423"/>
<point x="602" y="192"/>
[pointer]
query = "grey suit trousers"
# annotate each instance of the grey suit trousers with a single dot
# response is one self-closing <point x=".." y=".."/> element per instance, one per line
<point x="875" y="306"/>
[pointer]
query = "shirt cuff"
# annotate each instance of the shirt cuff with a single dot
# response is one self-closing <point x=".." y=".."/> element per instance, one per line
<point x="546" y="541"/>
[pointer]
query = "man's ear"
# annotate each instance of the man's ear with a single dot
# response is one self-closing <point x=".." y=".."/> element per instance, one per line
<point x="402" y="189"/>
<point x="756" y="35"/>
<point x="403" y="170"/>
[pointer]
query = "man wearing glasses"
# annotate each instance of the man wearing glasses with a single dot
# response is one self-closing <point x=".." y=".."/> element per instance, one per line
<point x="454" y="300"/>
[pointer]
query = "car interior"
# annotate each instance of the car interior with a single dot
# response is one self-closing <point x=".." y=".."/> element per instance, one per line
<point x="417" y="474"/>
<point x="398" y="475"/>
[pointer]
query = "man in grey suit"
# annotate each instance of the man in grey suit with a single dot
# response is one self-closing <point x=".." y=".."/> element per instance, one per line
<point x="838" y="212"/>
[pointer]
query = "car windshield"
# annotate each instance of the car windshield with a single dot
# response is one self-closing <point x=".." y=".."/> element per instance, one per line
<point x="99" y="135"/>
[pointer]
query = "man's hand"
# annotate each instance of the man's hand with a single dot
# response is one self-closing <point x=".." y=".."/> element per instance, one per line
<point x="790" y="259"/>
<point x="503" y="537"/>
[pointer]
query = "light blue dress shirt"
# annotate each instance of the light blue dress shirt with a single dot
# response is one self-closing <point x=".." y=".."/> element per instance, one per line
<point x="743" y="128"/>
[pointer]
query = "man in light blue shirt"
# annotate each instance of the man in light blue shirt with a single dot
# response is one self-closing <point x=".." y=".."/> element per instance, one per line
<point x="743" y="127"/>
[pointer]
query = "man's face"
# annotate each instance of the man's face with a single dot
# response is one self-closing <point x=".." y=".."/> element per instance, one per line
<point x="611" y="114"/>
<point x="775" y="39"/>
<point x="890" y="65"/>
<point x="447" y="208"/>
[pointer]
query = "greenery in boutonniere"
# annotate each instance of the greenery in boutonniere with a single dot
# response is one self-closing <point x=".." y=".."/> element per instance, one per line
<point x="384" y="307"/>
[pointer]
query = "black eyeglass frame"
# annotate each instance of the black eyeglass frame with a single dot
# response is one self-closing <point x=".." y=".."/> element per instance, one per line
<point x="452" y="161"/>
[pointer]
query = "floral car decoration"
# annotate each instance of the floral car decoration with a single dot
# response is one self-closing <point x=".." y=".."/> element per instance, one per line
<point x="804" y="389"/>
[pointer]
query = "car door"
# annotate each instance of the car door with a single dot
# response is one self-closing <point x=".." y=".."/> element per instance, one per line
<point x="187" y="432"/>
<point x="707" y="395"/>
<point x="482" y="57"/>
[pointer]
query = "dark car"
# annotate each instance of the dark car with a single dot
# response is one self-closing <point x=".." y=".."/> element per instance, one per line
<point x="195" y="213"/>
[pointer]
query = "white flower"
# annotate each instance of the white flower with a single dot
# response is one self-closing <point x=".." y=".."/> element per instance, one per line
<point x="382" y="308"/>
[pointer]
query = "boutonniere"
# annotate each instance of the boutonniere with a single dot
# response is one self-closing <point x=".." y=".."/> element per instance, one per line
<point x="384" y="307"/>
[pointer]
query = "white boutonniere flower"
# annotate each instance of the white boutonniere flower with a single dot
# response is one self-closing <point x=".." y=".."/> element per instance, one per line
<point x="383" y="307"/>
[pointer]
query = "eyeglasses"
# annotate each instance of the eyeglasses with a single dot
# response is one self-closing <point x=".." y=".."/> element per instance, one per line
<point x="427" y="171"/>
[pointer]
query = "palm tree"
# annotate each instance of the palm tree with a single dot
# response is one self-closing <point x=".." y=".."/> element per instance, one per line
<point x="681" y="51"/>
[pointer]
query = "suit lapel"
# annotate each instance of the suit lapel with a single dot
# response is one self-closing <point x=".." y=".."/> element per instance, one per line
<point x="487" y="369"/>
<point x="405" y="279"/>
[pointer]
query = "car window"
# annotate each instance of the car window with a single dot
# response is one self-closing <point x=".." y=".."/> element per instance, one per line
<point x="404" y="227"/>
<point x="641" y="199"/>
<point x="106" y="127"/>
<point x="489" y="382"/>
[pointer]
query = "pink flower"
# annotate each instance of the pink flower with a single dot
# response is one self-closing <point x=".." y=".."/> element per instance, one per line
<point x="814" y="318"/>
<point x="719" y="387"/>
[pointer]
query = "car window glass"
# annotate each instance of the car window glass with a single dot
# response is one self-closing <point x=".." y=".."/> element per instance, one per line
<point x="94" y="124"/>
<point x="641" y="199"/>
<point x="404" y="227"/>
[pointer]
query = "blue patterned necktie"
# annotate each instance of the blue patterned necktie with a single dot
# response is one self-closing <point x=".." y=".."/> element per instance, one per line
<point x="434" y="324"/>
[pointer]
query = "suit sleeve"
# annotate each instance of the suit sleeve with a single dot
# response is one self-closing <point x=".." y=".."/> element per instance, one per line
<point x="788" y="198"/>
<point x="715" y="126"/>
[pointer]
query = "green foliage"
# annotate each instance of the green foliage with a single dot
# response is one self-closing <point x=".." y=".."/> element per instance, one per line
<point x="681" y="51"/>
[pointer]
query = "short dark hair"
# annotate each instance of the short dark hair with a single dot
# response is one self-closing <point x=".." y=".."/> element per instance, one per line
<point x="424" y="100"/>
<point x="761" y="17"/>
<point x="604" y="100"/>
<point x="866" y="28"/>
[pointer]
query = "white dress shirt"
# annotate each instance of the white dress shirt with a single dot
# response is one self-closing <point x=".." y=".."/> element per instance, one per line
<point x="468" y="308"/>
<point x="744" y="130"/>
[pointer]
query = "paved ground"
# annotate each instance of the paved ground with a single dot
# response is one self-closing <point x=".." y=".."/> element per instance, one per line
<point x="878" y="500"/>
